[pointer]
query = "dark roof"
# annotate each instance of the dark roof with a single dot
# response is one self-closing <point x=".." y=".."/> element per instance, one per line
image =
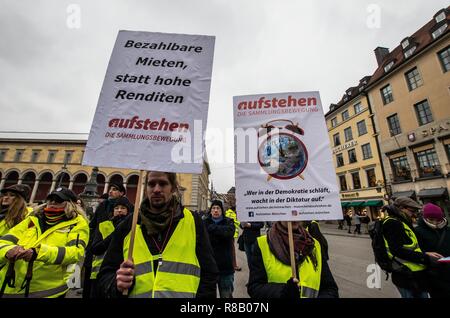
<point x="421" y="39"/>
<point x="350" y="94"/>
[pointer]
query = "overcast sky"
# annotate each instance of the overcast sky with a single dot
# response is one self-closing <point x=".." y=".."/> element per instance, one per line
<point x="51" y="71"/>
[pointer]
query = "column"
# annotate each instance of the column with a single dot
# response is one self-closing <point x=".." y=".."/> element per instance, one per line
<point x="70" y="184"/>
<point x="35" y="188"/>
<point x="20" y="181"/>
<point x="105" y="189"/>
<point x="52" y="188"/>
<point x="2" y="183"/>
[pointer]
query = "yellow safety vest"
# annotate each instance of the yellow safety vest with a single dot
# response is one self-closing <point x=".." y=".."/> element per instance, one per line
<point x="60" y="246"/>
<point x="178" y="276"/>
<point x="4" y="228"/>
<point x="106" y="228"/>
<point x="414" y="246"/>
<point x="232" y="215"/>
<point x="278" y="272"/>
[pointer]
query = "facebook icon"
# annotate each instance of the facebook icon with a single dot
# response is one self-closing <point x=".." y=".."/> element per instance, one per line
<point x="251" y="214"/>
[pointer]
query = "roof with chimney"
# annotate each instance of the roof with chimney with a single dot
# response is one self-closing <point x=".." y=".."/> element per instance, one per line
<point x="421" y="40"/>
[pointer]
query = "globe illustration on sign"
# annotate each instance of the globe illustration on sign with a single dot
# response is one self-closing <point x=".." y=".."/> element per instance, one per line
<point x="283" y="156"/>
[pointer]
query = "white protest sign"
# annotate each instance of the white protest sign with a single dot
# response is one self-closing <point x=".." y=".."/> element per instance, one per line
<point x="153" y="107"/>
<point x="283" y="164"/>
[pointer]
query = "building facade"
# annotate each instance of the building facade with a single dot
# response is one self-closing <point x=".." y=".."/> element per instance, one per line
<point x="44" y="163"/>
<point x="410" y="96"/>
<point x="355" y="153"/>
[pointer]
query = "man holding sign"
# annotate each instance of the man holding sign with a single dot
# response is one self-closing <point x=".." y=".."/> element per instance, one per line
<point x="172" y="255"/>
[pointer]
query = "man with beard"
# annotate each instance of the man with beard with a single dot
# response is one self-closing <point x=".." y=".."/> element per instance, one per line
<point x="172" y="255"/>
<point x="103" y="212"/>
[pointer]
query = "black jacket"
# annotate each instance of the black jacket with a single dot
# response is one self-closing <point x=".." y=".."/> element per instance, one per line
<point x="250" y="234"/>
<point x="258" y="286"/>
<point x="395" y="235"/>
<point x="221" y="238"/>
<point x="438" y="274"/>
<point x="114" y="257"/>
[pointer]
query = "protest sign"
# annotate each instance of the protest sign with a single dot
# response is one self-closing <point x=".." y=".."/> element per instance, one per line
<point x="152" y="110"/>
<point x="283" y="164"/>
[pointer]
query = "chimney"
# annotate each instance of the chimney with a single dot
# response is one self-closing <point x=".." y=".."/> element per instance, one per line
<point x="380" y="54"/>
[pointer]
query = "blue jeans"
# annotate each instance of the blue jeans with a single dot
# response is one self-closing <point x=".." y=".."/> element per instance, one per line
<point x="226" y="287"/>
<point x="248" y="252"/>
<point x="410" y="293"/>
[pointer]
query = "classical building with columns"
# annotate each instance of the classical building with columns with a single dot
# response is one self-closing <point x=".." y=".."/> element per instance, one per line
<point x="45" y="161"/>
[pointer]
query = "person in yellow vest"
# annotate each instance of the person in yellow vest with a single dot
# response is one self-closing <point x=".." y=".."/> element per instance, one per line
<point x="409" y="262"/>
<point x="172" y="254"/>
<point x="231" y="214"/>
<point x="102" y="238"/>
<point x="40" y="248"/>
<point x="270" y="266"/>
<point x="13" y="206"/>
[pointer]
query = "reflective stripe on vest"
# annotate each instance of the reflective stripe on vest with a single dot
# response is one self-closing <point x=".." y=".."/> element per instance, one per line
<point x="179" y="274"/>
<point x="105" y="228"/>
<point x="414" y="246"/>
<point x="277" y="272"/>
<point x="50" y="293"/>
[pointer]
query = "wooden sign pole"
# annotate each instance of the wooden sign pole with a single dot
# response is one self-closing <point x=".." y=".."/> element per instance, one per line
<point x="137" y="204"/>
<point x="291" y="250"/>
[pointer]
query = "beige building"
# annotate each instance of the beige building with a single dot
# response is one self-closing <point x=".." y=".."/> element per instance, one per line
<point x="355" y="152"/>
<point x="47" y="161"/>
<point x="410" y="96"/>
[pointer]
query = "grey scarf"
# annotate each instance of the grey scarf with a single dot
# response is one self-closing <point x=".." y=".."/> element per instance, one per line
<point x="156" y="221"/>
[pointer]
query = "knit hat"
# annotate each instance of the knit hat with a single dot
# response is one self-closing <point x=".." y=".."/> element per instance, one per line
<point x="119" y="187"/>
<point x="21" y="189"/>
<point x="432" y="211"/>
<point x="218" y="203"/>
<point x="123" y="201"/>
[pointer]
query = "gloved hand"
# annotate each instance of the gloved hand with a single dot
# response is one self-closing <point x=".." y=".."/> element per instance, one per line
<point x="13" y="253"/>
<point x="291" y="290"/>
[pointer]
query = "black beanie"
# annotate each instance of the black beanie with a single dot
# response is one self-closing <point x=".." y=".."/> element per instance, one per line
<point x="218" y="203"/>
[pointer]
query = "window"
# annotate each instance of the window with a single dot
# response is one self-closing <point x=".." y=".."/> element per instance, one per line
<point x="334" y="122"/>
<point x="400" y="169"/>
<point x="339" y="160"/>
<point x="352" y="156"/>
<point x="444" y="57"/>
<point x="51" y="156"/>
<point x="386" y="94"/>
<point x="436" y="33"/>
<point x="447" y="150"/>
<point x="423" y="113"/>
<point x="19" y="154"/>
<point x="394" y="125"/>
<point x="35" y="155"/>
<point x="68" y="156"/>
<point x="358" y="108"/>
<point x="343" y="183"/>
<point x="3" y="154"/>
<point x="413" y="79"/>
<point x="440" y="17"/>
<point x="362" y="129"/>
<point x="356" y="180"/>
<point x="428" y="163"/>
<point x="336" y="139"/>
<point x="348" y="134"/>
<point x="82" y="156"/>
<point x="405" y="44"/>
<point x="371" y="178"/>
<point x="410" y="52"/>
<point x="367" y="151"/>
<point x="345" y="115"/>
<point x="388" y="67"/>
